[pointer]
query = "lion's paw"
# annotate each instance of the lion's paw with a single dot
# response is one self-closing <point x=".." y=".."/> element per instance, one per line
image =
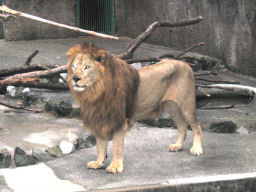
<point x="115" y="167"/>
<point x="95" y="165"/>
<point x="175" y="147"/>
<point x="196" y="151"/>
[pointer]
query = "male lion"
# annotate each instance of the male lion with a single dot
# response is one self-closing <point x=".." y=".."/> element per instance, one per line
<point x="112" y="94"/>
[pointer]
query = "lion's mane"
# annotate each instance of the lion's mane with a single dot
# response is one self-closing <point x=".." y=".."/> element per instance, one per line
<point x="107" y="104"/>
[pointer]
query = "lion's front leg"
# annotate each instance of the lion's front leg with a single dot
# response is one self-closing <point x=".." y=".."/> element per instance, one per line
<point x="116" y="165"/>
<point x="102" y="151"/>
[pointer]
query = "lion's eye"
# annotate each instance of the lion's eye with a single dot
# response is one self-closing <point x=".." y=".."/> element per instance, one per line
<point x="74" y="66"/>
<point x="98" y="59"/>
<point x="87" y="67"/>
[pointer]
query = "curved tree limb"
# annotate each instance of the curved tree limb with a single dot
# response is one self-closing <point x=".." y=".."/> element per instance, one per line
<point x="143" y="36"/>
<point x="19" y="13"/>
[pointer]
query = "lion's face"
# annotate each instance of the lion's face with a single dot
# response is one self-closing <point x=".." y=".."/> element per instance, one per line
<point x="84" y="71"/>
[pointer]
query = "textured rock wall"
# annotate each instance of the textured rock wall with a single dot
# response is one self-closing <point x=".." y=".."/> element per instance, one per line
<point x="229" y="27"/>
<point x="62" y="11"/>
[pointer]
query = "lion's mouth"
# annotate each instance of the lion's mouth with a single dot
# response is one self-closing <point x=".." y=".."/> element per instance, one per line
<point x="78" y="89"/>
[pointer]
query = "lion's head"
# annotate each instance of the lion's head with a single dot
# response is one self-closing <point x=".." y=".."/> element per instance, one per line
<point x="85" y="67"/>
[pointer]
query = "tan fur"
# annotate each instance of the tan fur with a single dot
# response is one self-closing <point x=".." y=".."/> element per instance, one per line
<point x="112" y="94"/>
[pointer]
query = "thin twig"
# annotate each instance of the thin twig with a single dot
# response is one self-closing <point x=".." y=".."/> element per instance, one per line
<point x="189" y="49"/>
<point x="29" y="59"/>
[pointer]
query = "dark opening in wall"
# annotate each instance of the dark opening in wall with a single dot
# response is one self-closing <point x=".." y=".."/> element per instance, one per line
<point x="96" y="15"/>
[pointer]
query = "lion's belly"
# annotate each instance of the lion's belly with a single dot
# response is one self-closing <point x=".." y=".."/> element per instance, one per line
<point x="154" y="83"/>
<point x="147" y="103"/>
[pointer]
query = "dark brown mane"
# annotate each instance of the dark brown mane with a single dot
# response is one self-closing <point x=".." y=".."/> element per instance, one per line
<point x="107" y="105"/>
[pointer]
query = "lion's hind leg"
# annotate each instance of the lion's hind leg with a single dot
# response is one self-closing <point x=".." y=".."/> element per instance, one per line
<point x="180" y="122"/>
<point x="102" y="151"/>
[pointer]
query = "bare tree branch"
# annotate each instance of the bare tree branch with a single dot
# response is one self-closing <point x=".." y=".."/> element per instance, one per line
<point x="19" y="13"/>
<point x="143" y="36"/>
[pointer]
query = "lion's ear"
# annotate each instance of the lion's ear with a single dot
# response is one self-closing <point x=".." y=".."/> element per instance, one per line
<point x="73" y="51"/>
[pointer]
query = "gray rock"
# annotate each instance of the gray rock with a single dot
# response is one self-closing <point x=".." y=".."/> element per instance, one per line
<point x="5" y="159"/>
<point x="223" y="127"/>
<point x="19" y="151"/>
<point x="41" y="155"/>
<point x="79" y="143"/>
<point x="89" y="141"/>
<point x="66" y="147"/>
<point x="61" y="109"/>
<point x="55" y="151"/>
<point x="21" y="159"/>
<point x="29" y="98"/>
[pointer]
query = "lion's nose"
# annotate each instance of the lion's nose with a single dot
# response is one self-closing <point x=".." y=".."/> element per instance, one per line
<point x="76" y="79"/>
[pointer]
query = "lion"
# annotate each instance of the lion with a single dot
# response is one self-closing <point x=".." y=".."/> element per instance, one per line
<point x="113" y="94"/>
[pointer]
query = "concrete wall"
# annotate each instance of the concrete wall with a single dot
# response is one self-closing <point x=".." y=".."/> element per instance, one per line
<point x="62" y="11"/>
<point x="229" y="27"/>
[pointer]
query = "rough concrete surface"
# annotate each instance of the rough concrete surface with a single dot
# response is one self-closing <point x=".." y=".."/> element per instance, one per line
<point x="148" y="162"/>
<point x="228" y="163"/>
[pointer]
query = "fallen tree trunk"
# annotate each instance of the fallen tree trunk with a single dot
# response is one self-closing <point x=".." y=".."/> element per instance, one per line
<point x="32" y="76"/>
<point x="240" y="88"/>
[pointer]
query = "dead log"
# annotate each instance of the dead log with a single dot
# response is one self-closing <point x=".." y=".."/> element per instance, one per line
<point x="145" y="35"/>
<point x="20" y="107"/>
<point x="32" y="76"/>
<point x="24" y="69"/>
<point x="239" y="88"/>
<point x="40" y="85"/>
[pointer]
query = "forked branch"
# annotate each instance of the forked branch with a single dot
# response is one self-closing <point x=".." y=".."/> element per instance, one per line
<point x="143" y="36"/>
